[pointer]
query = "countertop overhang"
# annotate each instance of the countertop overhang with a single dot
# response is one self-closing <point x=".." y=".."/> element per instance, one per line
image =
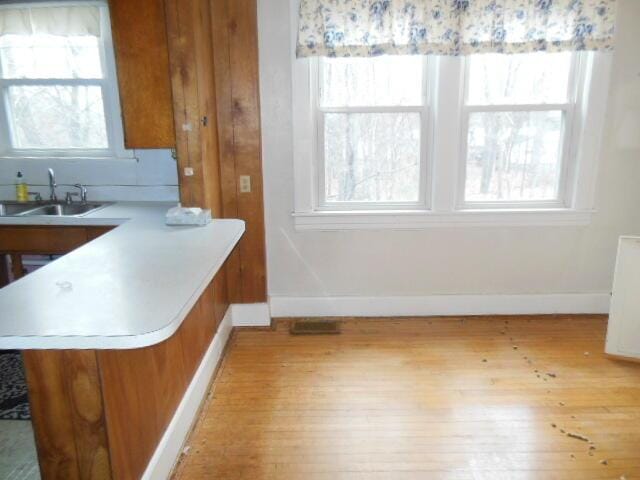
<point x="129" y="288"/>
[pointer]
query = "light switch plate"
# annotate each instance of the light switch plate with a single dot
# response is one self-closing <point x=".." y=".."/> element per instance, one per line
<point x="245" y="183"/>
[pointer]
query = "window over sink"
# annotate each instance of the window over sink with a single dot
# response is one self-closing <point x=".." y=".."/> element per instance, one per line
<point x="58" y="85"/>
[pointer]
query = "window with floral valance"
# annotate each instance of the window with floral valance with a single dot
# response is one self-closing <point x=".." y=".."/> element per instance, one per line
<point x="418" y="112"/>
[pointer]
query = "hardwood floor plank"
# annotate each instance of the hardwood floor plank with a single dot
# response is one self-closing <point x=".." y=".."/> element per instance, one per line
<point x="437" y="398"/>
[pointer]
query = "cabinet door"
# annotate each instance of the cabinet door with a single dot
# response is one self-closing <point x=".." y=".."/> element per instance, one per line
<point x="142" y="62"/>
<point x="623" y="332"/>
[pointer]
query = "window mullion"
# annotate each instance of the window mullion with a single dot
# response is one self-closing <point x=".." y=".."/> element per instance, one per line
<point x="447" y="114"/>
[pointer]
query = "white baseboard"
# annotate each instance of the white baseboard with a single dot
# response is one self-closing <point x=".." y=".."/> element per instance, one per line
<point x="438" y="305"/>
<point x="171" y="444"/>
<point x="251" y="315"/>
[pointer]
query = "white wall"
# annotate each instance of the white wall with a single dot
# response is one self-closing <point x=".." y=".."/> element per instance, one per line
<point x="461" y="260"/>
<point x="151" y="176"/>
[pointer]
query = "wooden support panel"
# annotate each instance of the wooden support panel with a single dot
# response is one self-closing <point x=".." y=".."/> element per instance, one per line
<point x="79" y="398"/>
<point x="237" y="91"/>
<point x="143" y="387"/>
<point x="67" y="414"/>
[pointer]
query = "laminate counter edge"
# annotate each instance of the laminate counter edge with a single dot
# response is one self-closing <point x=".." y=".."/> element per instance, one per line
<point x="130" y="288"/>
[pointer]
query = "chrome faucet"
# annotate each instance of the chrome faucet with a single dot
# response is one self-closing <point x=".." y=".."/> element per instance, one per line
<point x="82" y="194"/>
<point x="52" y="186"/>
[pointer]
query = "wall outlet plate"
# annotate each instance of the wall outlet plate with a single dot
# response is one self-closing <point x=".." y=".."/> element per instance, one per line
<point x="245" y="183"/>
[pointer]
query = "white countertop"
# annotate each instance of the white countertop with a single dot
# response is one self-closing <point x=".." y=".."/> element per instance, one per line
<point x="129" y="288"/>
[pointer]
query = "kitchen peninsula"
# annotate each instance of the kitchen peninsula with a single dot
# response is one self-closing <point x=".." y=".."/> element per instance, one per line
<point x="114" y="335"/>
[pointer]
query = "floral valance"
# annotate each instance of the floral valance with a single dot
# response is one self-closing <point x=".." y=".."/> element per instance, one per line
<point x="345" y="28"/>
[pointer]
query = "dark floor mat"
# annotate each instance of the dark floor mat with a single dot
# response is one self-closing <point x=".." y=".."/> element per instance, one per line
<point x="14" y="402"/>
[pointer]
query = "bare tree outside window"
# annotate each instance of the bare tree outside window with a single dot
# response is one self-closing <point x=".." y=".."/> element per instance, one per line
<point x="372" y="125"/>
<point x="53" y="86"/>
<point x="516" y="115"/>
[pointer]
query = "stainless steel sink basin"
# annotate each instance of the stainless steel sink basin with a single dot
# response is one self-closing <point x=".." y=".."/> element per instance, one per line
<point x="11" y="209"/>
<point x="63" y="210"/>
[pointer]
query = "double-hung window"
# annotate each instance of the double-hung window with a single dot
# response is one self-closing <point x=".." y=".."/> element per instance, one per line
<point x="58" y="94"/>
<point x="517" y="118"/>
<point x="416" y="140"/>
<point x="372" y="121"/>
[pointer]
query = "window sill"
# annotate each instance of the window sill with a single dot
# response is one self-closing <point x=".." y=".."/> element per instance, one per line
<point x="421" y="219"/>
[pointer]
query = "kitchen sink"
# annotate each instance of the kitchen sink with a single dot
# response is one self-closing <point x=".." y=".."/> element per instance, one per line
<point x="47" y="209"/>
<point x="11" y="209"/>
<point x="63" y="210"/>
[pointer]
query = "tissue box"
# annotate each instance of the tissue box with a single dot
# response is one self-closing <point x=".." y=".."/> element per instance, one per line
<point x="188" y="216"/>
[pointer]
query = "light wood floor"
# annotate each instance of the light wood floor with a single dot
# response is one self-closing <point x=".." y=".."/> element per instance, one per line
<point x="478" y="398"/>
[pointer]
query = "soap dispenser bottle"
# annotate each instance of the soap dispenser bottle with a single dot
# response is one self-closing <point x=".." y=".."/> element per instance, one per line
<point x="22" y="190"/>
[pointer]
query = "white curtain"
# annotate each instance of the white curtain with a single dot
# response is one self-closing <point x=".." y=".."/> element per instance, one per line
<point x="347" y="28"/>
<point x="72" y="20"/>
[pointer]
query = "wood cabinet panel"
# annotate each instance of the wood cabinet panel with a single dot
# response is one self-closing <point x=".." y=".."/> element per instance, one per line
<point x="4" y="270"/>
<point x="67" y="414"/>
<point x="41" y="240"/>
<point x="46" y="240"/>
<point x="95" y="232"/>
<point x="141" y="389"/>
<point x="197" y="332"/>
<point x="142" y="61"/>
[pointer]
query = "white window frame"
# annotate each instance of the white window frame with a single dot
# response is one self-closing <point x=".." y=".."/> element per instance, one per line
<point x="110" y="95"/>
<point x="425" y="140"/>
<point x="567" y="158"/>
<point x="446" y="154"/>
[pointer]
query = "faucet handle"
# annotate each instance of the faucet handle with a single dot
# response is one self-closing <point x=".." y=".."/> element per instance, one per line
<point x="83" y="192"/>
<point x="67" y="199"/>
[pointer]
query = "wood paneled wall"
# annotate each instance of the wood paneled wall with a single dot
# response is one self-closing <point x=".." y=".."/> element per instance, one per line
<point x="188" y="76"/>
<point x="194" y="95"/>
<point x="213" y="53"/>
<point x="235" y="50"/>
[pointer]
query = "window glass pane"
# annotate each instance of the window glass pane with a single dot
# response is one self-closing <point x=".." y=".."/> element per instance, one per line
<point x="50" y="56"/>
<point x="57" y="117"/>
<point x="372" y="157"/>
<point x="388" y="80"/>
<point x="513" y="156"/>
<point x="520" y="78"/>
